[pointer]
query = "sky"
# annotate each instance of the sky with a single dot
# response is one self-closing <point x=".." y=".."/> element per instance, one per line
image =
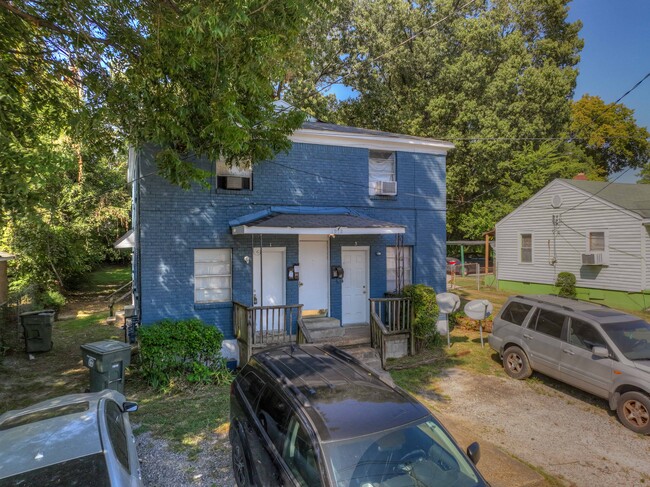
<point x="616" y="55"/>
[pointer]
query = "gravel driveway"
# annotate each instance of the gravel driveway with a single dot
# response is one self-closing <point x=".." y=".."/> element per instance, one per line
<point x="569" y="434"/>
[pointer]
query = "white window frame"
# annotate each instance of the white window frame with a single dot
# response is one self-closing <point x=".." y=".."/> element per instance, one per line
<point x="532" y="247"/>
<point x="387" y="156"/>
<point x="408" y="270"/>
<point x="221" y="275"/>
<point x="244" y="172"/>
<point x="605" y="241"/>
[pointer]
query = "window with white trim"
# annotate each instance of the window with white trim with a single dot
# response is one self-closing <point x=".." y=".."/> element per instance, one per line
<point x="236" y="177"/>
<point x="526" y="248"/>
<point x="402" y="257"/>
<point x="596" y="242"/>
<point x="212" y="275"/>
<point x="382" y="179"/>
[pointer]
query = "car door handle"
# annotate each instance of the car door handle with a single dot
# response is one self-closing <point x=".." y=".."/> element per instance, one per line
<point x="570" y="352"/>
<point x="530" y="337"/>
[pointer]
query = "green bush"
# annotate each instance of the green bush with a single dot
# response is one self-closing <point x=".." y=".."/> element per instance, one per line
<point x="425" y="310"/>
<point x="50" y="299"/>
<point x="566" y="282"/>
<point x="187" y="350"/>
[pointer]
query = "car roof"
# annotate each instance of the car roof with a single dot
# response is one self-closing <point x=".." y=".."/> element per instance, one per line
<point x="595" y="312"/>
<point x="338" y="391"/>
<point x="50" y="432"/>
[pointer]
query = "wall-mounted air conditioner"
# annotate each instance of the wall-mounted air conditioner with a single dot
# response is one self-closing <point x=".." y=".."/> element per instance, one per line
<point x="234" y="182"/>
<point x="386" y="188"/>
<point x="594" y="258"/>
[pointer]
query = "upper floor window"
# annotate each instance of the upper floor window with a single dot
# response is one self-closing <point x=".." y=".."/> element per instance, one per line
<point x="212" y="275"/>
<point x="596" y="241"/>
<point x="526" y="248"/>
<point x="382" y="177"/>
<point x="234" y="177"/>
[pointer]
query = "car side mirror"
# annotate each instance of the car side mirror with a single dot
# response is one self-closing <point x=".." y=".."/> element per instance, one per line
<point x="474" y="452"/>
<point x="600" y="352"/>
<point x="129" y="407"/>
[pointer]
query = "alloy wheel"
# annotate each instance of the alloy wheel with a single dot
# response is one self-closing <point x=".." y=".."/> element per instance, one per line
<point x="514" y="362"/>
<point x="636" y="413"/>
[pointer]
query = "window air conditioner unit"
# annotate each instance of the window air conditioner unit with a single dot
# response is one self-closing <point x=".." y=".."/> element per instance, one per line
<point x="234" y="182"/>
<point x="595" y="258"/>
<point x="386" y="188"/>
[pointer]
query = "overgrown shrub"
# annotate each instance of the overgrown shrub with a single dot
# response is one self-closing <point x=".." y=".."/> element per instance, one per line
<point x="425" y="310"/>
<point x="566" y="282"/>
<point x="188" y="350"/>
<point x="50" y="299"/>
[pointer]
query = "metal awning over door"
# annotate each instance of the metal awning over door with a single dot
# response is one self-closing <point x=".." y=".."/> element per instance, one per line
<point x="317" y="224"/>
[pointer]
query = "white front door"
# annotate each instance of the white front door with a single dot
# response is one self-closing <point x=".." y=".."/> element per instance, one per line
<point x="355" y="284"/>
<point x="314" y="274"/>
<point x="269" y="286"/>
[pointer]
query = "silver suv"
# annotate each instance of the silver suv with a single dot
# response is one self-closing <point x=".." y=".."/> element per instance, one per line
<point x="597" y="349"/>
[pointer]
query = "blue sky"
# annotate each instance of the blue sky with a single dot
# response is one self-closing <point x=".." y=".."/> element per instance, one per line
<point x="616" y="55"/>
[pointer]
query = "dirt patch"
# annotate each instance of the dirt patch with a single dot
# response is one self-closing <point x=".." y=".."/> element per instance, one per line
<point x="569" y="434"/>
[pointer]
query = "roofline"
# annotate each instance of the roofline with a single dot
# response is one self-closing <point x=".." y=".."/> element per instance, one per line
<point x="368" y="141"/>
<point x="257" y="230"/>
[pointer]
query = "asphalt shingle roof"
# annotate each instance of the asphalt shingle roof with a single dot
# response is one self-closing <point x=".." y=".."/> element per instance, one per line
<point x="632" y="197"/>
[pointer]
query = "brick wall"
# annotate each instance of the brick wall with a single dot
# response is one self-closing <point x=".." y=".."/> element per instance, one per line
<point x="174" y="222"/>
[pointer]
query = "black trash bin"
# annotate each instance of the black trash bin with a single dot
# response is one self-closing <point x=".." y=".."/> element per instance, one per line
<point x="107" y="361"/>
<point x="37" y="330"/>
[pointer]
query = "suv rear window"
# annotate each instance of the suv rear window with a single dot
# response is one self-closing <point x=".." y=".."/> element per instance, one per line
<point x="516" y="312"/>
<point x="548" y="322"/>
<point x="251" y="385"/>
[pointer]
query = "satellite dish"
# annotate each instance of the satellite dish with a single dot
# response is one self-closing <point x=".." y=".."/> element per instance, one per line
<point x="479" y="309"/>
<point x="448" y="302"/>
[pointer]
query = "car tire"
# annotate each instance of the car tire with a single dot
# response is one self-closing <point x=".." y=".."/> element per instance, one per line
<point x="634" y="412"/>
<point x="515" y="363"/>
<point x="239" y="462"/>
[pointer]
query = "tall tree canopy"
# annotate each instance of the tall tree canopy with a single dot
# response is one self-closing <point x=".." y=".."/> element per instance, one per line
<point x="496" y="78"/>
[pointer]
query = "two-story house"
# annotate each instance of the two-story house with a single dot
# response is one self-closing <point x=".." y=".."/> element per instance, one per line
<point x="346" y="215"/>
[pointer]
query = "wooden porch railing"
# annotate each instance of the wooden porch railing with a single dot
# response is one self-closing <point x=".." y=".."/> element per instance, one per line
<point x="258" y="327"/>
<point x="390" y="317"/>
<point x="118" y="296"/>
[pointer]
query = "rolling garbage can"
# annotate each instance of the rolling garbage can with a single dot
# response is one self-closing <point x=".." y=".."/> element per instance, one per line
<point x="107" y="361"/>
<point x="37" y="330"/>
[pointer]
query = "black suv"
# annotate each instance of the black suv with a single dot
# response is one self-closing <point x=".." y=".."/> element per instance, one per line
<point x="315" y="416"/>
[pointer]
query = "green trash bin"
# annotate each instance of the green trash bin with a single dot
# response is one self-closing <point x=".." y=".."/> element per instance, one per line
<point x="37" y="330"/>
<point x="107" y="361"/>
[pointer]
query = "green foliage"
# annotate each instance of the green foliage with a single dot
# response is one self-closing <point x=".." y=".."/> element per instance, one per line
<point x="609" y="134"/>
<point x="566" y="282"/>
<point x="425" y="310"/>
<point x="188" y="350"/>
<point x="50" y="299"/>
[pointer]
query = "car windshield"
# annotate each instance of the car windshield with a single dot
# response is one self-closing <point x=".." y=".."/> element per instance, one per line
<point x="88" y="470"/>
<point x="420" y="454"/>
<point x="631" y="338"/>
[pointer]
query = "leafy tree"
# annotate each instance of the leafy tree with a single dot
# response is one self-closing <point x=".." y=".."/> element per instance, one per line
<point x="495" y="78"/>
<point x="609" y="134"/>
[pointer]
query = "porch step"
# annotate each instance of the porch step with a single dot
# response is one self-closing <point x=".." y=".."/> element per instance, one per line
<point x="366" y="355"/>
<point x="353" y="336"/>
<point x="321" y="328"/>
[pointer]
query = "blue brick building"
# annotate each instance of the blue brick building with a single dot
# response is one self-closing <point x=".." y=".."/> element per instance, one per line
<point x="345" y="215"/>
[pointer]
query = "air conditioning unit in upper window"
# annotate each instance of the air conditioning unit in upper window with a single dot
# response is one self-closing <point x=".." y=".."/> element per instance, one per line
<point x="594" y="258"/>
<point x="386" y="188"/>
<point x="234" y="182"/>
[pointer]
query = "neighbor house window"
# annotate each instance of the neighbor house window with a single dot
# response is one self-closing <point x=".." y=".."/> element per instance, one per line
<point x="212" y="275"/>
<point x="381" y="173"/>
<point x="236" y="177"/>
<point x="398" y="264"/>
<point x="596" y="241"/>
<point x="526" y="248"/>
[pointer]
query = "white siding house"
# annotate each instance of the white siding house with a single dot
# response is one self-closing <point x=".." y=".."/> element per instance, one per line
<point x="596" y="230"/>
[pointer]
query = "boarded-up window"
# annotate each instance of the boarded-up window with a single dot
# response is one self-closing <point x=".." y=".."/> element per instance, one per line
<point x="381" y="168"/>
<point x="212" y="275"/>
<point x="526" y="246"/>
<point x="596" y="241"/>
<point x="398" y="267"/>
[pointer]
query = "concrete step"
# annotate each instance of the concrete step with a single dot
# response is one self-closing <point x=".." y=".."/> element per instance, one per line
<point x="366" y="355"/>
<point x="322" y="328"/>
